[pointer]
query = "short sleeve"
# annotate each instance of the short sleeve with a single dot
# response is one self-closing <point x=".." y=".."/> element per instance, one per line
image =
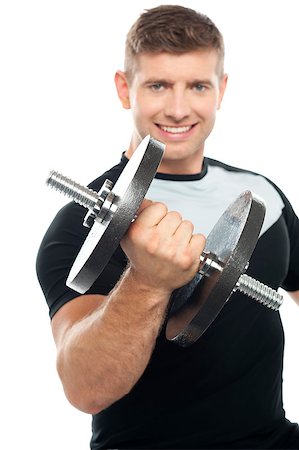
<point x="60" y="247"/>
<point x="291" y="282"/>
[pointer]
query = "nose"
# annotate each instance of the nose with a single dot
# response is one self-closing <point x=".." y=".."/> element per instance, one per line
<point x="177" y="105"/>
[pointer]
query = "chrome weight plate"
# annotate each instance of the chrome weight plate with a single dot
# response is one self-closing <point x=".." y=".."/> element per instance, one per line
<point x="120" y="209"/>
<point x="195" y="306"/>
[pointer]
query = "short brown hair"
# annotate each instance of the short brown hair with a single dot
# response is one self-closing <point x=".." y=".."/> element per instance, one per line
<point x="172" y="29"/>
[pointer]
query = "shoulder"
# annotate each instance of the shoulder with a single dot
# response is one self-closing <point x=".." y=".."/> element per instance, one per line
<point x="214" y="163"/>
<point x="112" y="174"/>
<point x="231" y="178"/>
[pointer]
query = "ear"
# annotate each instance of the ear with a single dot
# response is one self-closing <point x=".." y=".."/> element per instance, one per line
<point x="222" y="87"/>
<point x="122" y="88"/>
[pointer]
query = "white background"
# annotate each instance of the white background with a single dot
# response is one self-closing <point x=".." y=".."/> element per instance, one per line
<point x="59" y="111"/>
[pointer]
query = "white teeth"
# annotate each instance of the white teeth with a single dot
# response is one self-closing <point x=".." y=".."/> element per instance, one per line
<point x="175" y="129"/>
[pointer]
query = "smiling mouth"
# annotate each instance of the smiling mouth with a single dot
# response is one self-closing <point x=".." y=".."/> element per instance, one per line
<point x="175" y="130"/>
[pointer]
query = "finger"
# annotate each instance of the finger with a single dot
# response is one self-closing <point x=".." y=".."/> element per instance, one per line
<point x="197" y="244"/>
<point x="145" y="204"/>
<point x="184" y="232"/>
<point x="152" y="214"/>
<point x="169" y="223"/>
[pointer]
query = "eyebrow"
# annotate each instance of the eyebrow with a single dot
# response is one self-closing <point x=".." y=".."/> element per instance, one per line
<point x="168" y="82"/>
<point x="206" y="82"/>
<point x="156" y="81"/>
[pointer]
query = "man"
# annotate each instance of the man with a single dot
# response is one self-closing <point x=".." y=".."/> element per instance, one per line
<point x="114" y="361"/>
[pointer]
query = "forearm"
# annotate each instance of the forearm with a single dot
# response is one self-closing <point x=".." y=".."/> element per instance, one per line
<point x="102" y="356"/>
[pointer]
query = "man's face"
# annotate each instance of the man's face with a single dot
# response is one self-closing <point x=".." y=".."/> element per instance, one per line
<point x="174" y="98"/>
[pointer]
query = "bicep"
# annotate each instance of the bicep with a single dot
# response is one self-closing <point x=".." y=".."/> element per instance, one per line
<point x="73" y="312"/>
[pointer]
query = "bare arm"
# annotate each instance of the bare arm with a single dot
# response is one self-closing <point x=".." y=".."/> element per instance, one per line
<point x="104" y="343"/>
<point x="101" y="355"/>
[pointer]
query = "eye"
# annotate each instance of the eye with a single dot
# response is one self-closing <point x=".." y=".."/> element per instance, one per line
<point x="156" y="87"/>
<point x="199" y="87"/>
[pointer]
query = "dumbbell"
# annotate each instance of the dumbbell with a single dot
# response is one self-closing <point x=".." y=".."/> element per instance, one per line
<point x="223" y="262"/>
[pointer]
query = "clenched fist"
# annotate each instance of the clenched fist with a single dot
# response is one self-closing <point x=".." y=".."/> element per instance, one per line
<point x="161" y="247"/>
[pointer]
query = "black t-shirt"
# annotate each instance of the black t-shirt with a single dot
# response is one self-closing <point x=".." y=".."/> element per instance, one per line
<point x="224" y="391"/>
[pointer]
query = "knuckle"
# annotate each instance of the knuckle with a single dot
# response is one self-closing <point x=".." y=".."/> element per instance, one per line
<point x="162" y="207"/>
<point x="172" y="253"/>
<point x="188" y="224"/>
<point x="152" y="244"/>
<point x="200" y="240"/>
<point x="187" y="261"/>
<point x="175" y="215"/>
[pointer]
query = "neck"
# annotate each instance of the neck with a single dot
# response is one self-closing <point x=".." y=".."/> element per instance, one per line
<point x="190" y="166"/>
<point x="176" y="162"/>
